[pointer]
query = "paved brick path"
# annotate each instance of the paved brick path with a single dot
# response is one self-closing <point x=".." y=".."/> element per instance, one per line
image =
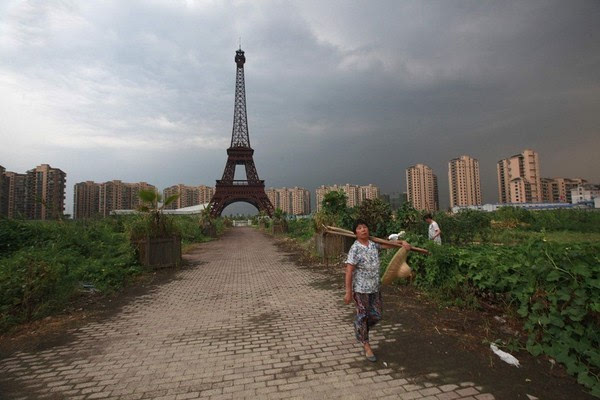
<point x="243" y="322"/>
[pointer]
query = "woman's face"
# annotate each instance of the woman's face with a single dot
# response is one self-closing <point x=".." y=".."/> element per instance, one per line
<point x="362" y="231"/>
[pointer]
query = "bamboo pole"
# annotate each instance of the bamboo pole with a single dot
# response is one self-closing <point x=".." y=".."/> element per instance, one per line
<point x="344" y="232"/>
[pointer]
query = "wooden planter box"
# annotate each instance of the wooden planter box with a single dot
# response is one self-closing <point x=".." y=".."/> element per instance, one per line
<point x="278" y="228"/>
<point x="210" y="231"/>
<point x="159" y="252"/>
<point x="331" y="246"/>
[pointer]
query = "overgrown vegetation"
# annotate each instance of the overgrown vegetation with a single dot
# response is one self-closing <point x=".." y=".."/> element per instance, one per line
<point x="302" y="229"/>
<point x="45" y="264"/>
<point x="554" y="288"/>
<point x="542" y="266"/>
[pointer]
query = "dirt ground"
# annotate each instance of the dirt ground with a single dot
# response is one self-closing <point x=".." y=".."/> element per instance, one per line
<point x="453" y="343"/>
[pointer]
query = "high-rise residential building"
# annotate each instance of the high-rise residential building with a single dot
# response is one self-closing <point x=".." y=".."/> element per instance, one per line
<point x="300" y="201"/>
<point x="118" y="195"/>
<point x="558" y="190"/>
<point x="135" y="189"/>
<point x="188" y="195"/>
<point x="422" y="188"/>
<point x="368" y="192"/>
<point x="86" y="200"/>
<point x="294" y="201"/>
<point x="45" y="193"/>
<point x="355" y="194"/>
<point x="519" y="179"/>
<point x="37" y="194"/>
<point x="464" y="182"/>
<point x="205" y="194"/>
<point x="113" y="195"/>
<point x="275" y="198"/>
<point x="15" y="191"/>
<point x="3" y="194"/>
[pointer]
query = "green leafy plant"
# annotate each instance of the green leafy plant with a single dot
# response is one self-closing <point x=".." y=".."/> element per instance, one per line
<point x="409" y="219"/>
<point x="280" y="223"/>
<point x="208" y="223"/>
<point x="154" y="223"/>
<point x="554" y="288"/>
<point x="301" y="228"/>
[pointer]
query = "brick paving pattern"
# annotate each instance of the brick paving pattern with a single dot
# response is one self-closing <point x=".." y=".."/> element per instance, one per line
<point x="243" y="322"/>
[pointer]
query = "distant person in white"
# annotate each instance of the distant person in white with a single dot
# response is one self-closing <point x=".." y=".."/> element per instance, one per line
<point x="435" y="233"/>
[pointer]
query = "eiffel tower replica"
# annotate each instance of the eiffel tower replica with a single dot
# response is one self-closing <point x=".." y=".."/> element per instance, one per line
<point x="252" y="189"/>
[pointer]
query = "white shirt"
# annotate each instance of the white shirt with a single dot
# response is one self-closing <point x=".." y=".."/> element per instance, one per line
<point x="434" y="229"/>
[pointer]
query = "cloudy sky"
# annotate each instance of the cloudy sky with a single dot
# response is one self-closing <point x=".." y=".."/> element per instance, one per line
<point x="337" y="91"/>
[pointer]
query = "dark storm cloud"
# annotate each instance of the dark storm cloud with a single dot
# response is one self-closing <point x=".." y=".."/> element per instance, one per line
<point x="337" y="92"/>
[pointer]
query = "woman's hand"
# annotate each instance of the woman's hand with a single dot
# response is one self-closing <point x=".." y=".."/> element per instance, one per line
<point x="348" y="297"/>
<point x="405" y="244"/>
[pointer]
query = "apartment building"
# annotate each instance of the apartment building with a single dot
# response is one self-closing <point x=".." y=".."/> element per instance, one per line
<point x="37" y="194"/>
<point x="519" y="179"/>
<point x="368" y="192"/>
<point x="294" y="201"/>
<point x="15" y="194"/>
<point x="585" y="192"/>
<point x="86" y="200"/>
<point x="135" y="193"/>
<point x="355" y="194"/>
<point x="45" y="192"/>
<point x="558" y="190"/>
<point x="188" y="195"/>
<point x="464" y="181"/>
<point x="3" y="195"/>
<point x="422" y="187"/>
<point x="205" y="194"/>
<point x="118" y="195"/>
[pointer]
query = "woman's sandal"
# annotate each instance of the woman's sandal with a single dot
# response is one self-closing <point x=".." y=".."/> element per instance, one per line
<point x="371" y="358"/>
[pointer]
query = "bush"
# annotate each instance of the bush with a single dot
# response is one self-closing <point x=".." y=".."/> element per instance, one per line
<point x="409" y="219"/>
<point x="301" y="228"/>
<point x="464" y="227"/>
<point x="556" y="289"/>
<point x="190" y="229"/>
<point x="41" y="273"/>
<point x="378" y="216"/>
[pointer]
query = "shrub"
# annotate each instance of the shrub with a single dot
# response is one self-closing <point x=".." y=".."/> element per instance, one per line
<point x="42" y="272"/>
<point x="301" y="228"/>
<point x="555" y="288"/>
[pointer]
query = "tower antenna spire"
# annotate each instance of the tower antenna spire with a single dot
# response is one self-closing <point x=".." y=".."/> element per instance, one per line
<point x="240" y="41"/>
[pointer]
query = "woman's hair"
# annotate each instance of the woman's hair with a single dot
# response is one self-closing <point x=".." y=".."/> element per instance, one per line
<point x="357" y="223"/>
<point x="427" y="216"/>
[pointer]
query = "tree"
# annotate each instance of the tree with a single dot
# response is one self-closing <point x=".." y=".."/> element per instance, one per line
<point x="334" y="203"/>
<point x="333" y="211"/>
<point x="377" y="214"/>
<point x="408" y="218"/>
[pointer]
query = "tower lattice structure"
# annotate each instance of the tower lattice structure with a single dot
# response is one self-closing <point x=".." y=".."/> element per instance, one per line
<point x="251" y="190"/>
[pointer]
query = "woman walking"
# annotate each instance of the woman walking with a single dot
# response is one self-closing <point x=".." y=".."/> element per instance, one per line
<point x="363" y="283"/>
